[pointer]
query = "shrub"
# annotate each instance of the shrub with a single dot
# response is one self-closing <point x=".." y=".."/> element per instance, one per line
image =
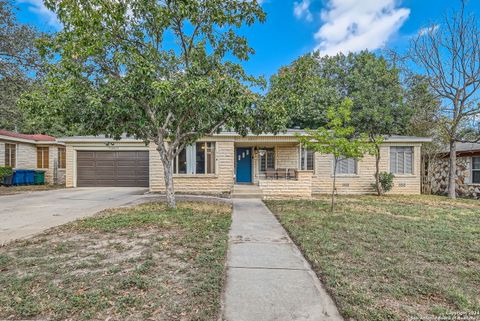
<point x="5" y="171"/>
<point x="386" y="181"/>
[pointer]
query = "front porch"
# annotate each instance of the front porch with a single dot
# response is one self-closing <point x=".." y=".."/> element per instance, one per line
<point x="275" y="170"/>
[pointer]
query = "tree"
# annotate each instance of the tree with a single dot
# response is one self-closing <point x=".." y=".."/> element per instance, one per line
<point x="18" y="62"/>
<point x="425" y="120"/>
<point x="337" y="138"/>
<point x="313" y="82"/>
<point x="449" y="54"/>
<point x="378" y="110"/>
<point x="304" y="89"/>
<point x="163" y="71"/>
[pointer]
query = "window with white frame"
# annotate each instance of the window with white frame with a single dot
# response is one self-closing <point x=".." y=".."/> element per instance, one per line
<point x="307" y="159"/>
<point x="346" y="166"/>
<point x="267" y="159"/>
<point x="401" y="160"/>
<point x="197" y="158"/>
<point x="476" y="170"/>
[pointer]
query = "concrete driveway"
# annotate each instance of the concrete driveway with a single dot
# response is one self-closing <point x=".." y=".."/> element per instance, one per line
<point x="23" y="215"/>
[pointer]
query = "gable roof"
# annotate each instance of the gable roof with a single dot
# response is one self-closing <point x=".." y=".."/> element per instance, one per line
<point x="33" y="138"/>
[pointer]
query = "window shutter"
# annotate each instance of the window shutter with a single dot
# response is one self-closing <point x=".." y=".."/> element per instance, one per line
<point x="393" y="160"/>
<point x="408" y="161"/>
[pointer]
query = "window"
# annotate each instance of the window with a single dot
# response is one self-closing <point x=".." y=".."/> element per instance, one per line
<point x="401" y="160"/>
<point x="476" y="170"/>
<point x="307" y="159"/>
<point x="267" y="161"/>
<point x="198" y="158"/>
<point x="10" y="155"/>
<point x="347" y="166"/>
<point x="42" y="157"/>
<point x="62" y="161"/>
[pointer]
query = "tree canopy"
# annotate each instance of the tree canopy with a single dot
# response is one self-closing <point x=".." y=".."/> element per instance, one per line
<point x="18" y="62"/>
<point x="163" y="71"/>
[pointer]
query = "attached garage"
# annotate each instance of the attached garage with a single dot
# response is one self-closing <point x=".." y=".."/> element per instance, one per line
<point x="112" y="168"/>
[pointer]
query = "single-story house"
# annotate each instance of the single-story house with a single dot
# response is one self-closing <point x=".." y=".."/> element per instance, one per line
<point x="468" y="171"/>
<point x="38" y="152"/>
<point x="225" y="163"/>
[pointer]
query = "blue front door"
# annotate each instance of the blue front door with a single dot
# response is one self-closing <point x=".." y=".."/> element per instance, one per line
<point x="244" y="165"/>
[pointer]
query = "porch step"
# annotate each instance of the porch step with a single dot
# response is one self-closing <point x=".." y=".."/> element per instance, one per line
<point x="246" y="191"/>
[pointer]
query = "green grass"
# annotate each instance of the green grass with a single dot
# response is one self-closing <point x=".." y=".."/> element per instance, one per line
<point x="140" y="263"/>
<point x="391" y="258"/>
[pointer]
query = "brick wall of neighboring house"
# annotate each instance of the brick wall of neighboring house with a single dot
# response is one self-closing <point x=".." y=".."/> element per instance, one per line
<point x="26" y="158"/>
<point x="439" y="180"/>
<point x="361" y="182"/>
<point x="219" y="183"/>
<point x="2" y="153"/>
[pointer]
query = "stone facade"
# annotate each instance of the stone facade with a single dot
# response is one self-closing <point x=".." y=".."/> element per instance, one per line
<point x="287" y="153"/>
<point x="361" y="182"/>
<point x="301" y="188"/>
<point x="439" y="180"/>
<point x="219" y="183"/>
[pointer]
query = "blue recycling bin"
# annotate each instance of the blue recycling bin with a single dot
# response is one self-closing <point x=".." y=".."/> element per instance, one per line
<point x="29" y="177"/>
<point x="18" y="177"/>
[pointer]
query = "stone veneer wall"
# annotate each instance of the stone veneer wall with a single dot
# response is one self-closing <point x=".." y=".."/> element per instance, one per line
<point x="361" y="182"/>
<point x="439" y="180"/>
<point x="219" y="183"/>
<point x="301" y="188"/>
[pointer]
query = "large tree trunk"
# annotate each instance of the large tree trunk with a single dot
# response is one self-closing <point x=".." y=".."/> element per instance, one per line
<point x="378" y="188"/>
<point x="452" y="175"/>
<point x="168" y="176"/>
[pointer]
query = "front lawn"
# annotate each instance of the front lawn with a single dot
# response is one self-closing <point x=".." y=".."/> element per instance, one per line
<point x="140" y="263"/>
<point x="394" y="257"/>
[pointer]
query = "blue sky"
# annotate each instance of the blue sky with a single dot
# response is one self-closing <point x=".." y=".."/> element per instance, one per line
<point x="294" y="28"/>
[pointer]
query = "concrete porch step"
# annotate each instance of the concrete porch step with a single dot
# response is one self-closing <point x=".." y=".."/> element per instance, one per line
<point x="247" y="191"/>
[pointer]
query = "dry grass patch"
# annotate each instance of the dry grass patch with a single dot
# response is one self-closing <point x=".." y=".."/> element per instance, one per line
<point x="11" y="190"/>
<point x="393" y="257"/>
<point x="140" y="263"/>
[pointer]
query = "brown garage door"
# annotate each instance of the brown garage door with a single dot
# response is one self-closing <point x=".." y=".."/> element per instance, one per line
<point x="112" y="168"/>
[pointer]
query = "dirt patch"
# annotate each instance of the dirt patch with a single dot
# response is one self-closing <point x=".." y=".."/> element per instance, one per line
<point x="140" y="263"/>
<point x="12" y="190"/>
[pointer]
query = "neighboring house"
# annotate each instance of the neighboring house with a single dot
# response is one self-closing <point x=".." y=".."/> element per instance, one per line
<point x="39" y="152"/>
<point x="273" y="165"/>
<point x="468" y="171"/>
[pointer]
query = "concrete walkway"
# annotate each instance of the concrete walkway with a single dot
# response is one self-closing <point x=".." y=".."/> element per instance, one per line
<point x="267" y="276"/>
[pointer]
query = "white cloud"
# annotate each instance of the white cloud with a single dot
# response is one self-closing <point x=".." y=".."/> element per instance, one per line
<point x="426" y="30"/>
<point x="38" y="8"/>
<point x="301" y="10"/>
<point x="352" y="25"/>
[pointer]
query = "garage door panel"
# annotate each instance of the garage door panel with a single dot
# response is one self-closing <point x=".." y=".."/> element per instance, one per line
<point x="109" y="169"/>
<point x="85" y="155"/>
<point x="127" y="163"/>
<point x="85" y="163"/>
<point x="105" y="163"/>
